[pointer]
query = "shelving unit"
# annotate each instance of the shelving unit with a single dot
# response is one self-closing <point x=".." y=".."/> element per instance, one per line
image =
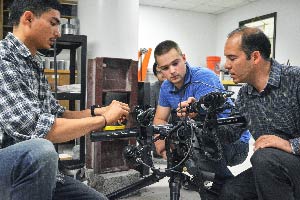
<point x="63" y="78"/>
<point x="5" y="28"/>
<point x="74" y="43"/>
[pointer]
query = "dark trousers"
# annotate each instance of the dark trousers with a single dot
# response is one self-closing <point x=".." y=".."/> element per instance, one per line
<point x="275" y="175"/>
<point x="71" y="189"/>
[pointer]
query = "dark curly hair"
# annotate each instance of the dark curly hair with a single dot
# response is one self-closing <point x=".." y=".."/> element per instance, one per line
<point x="154" y="69"/>
<point x="253" y="39"/>
<point x="38" y="7"/>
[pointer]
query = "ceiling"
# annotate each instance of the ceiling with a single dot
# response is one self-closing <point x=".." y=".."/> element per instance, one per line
<point x="203" y="6"/>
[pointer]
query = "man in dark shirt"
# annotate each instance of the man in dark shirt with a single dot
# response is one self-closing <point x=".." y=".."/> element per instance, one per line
<point x="155" y="87"/>
<point x="154" y="94"/>
<point x="270" y="103"/>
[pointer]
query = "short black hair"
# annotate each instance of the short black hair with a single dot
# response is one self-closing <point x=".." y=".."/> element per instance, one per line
<point x="154" y="68"/>
<point x="253" y="39"/>
<point x="38" y="7"/>
<point x="165" y="47"/>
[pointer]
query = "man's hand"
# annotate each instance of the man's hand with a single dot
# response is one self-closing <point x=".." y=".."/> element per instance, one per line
<point x="161" y="148"/>
<point x="272" y="141"/>
<point x="100" y="111"/>
<point x="182" y="108"/>
<point x="116" y="111"/>
<point x="161" y="117"/>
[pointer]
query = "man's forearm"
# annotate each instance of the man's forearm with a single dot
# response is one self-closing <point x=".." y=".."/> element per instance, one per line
<point x="159" y="122"/>
<point x="68" y="114"/>
<point x="64" y="130"/>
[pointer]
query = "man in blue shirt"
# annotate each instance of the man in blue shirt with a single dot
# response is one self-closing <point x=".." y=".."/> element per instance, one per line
<point x="182" y="83"/>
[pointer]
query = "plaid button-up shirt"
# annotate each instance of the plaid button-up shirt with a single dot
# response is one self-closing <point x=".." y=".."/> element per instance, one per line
<point x="27" y="106"/>
<point x="275" y="110"/>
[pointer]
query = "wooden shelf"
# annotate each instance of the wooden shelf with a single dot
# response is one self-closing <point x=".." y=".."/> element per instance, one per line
<point x="51" y="71"/>
<point x="67" y="17"/>
<point x="69" y="2"/>
<point x="68" y="96"/>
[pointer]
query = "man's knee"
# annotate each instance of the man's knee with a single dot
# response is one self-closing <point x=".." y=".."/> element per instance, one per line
<point x="227" y="193"/>
<point x="236" y="153"/>
<point x="42" y="151"/>
<point x="263" y="158"/>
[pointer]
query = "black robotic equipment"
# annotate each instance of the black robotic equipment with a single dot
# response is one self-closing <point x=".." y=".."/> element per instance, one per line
<point x="188" y="143"/>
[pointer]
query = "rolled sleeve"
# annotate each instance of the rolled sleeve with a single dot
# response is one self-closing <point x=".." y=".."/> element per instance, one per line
<point x="55" y="108"/>
<point x="295" y="145"/>
<point x="44" y="124"/>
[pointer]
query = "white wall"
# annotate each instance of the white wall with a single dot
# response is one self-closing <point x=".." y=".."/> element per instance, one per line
<point x="287" y="29"/>
<point x="194" y="32"/>
<point x="199" y="35"/>
<point x="111" y="27"/>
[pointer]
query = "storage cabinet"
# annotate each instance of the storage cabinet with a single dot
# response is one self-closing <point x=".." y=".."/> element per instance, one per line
<point x="108" y="79"/>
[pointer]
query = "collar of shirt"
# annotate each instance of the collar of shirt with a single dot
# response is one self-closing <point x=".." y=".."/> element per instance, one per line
<point x="274" y="77"/>
<point x="24" y="51"/>
<point x="187" y="80"/>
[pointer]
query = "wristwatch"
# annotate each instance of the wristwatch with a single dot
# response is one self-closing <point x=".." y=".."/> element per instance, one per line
<point x="93" y="109"/>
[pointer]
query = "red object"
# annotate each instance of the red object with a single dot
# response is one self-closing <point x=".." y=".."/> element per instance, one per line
<point x="213" y="63"/>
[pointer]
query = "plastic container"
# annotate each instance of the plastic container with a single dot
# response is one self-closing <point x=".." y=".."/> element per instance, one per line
<point x="213" y="63"/>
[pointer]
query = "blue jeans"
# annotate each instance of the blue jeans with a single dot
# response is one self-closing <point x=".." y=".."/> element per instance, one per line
<point x="28" y="170"/>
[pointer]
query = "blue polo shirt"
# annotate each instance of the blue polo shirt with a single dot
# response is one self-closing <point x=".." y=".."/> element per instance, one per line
<point x="198" y="82"/>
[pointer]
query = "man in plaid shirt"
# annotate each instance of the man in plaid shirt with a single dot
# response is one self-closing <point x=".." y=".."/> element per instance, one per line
<point x="27" y="108"/>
